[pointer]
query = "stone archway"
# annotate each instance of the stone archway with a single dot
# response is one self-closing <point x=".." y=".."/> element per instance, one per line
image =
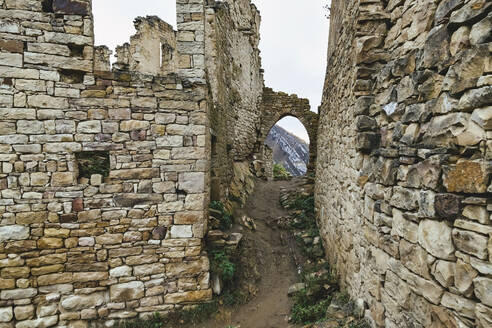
<point x="277" y="105"/>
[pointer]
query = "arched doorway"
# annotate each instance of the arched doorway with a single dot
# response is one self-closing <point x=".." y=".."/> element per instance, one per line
<point x="289" y="142"/>
<point x="278" y="105"/>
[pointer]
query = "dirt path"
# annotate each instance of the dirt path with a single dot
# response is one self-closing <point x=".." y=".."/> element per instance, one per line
<point x="271" y="306"/>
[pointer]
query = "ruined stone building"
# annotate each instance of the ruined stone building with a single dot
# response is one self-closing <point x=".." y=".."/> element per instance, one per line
<point x="402" y="157"/>
<point x="106" y="172"/>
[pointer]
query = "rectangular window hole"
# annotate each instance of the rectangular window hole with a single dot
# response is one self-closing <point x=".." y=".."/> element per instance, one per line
<point x="72" y="76"/>
<point x="92" y="162"/>
<point x="47" y="6"/>
<point x="76" y="50"/>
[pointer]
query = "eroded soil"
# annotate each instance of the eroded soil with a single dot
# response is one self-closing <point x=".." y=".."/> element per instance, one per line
<point x="276" y="256"/>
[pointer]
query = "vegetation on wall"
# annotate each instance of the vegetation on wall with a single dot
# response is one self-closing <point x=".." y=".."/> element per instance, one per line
<point x="224" y="220"/>
<point x="319" y="297"/>
<point x="280" y="173"/>
<point x="93" y="162"/>
<point x="192" y="315"/>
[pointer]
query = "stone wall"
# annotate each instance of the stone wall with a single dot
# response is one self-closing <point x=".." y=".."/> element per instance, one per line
<point x="277" y="105"/>
<point x="403" y="190"/>
<point x="236" y="83"/>
<point x="126" y="242"/>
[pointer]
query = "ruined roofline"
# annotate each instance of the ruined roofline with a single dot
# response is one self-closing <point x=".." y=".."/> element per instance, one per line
<point x="152" y="19"/>
<point x="269" y="93"/>
<point x="152" y="50"/>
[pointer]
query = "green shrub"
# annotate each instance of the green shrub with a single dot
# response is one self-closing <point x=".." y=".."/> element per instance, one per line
<point x="92" y="162"/>
<point x="303" y="203"/>
<point x="226" y="219"/>
<point x="311" y="303"/>
<point x="221" y="265"/>
<point x="155" y="322"/>
<point x="306" y="311"/>
<point x="280" y="173"/>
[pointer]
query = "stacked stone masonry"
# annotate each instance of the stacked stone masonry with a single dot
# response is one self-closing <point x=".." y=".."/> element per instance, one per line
<point x="403" y="187"/>
<point x="242" y="110"/>
<point x="100" y="248"/>
<point x="177" y="107"/>
<point x="236" y="84"/>
<point x="277" y="105"/>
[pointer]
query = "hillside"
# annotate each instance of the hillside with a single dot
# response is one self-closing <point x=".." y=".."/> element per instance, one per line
<point x="288" y="150"/>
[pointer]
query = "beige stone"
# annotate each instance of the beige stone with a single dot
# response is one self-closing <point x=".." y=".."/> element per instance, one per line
<point x="49" y="243"/>
<point x="44" y="101"/>
<point x="109" y="239"/>
<point x="459" y="40"/>
<point x="79" y="302"/>
<point x="127" y="291"/>
<point x="54" y="279"/>
<point x="41" y="322"/>
<point x="62" y="179"/>
<point x="464" y="275"/>
<point x="31" y="217"/>
<point x="443" y="272"/>
<point x="15" y="294"/>
<point x="134" y="125"/>
<point x="404" y="228"/>
<point x="436" y="238"/>
<point x="484" y="315"/>
<point x="471" y="243"/>
<point x="461" y="305"/>
<point x="189" y="297"/>
<point x="483" y="290"/>
<point x="24" y="312"/>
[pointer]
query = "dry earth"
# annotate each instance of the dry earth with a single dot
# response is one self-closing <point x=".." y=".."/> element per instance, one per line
<point x="276" y="253"/>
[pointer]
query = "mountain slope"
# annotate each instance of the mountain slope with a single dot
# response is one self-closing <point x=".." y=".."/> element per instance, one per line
<point x="288" y="150"/>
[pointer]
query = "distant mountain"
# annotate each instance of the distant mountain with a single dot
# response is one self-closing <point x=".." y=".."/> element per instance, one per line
<point x="288" y="150"/>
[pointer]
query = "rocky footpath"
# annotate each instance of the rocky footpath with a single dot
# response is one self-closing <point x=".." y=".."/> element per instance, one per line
<point x="319" y="302"/>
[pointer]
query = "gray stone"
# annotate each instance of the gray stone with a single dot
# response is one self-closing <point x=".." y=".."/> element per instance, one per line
<point x="13" y="232"/>
<point x="192" y="182"/>
<point x="463" y="306"/>
<point x="483" y="290"/>
<point x="481" y="31"/>
<point x="483" y="117"/>
<point x="445" y="9"/>
<point x="471" y="243"/>
<point x="181" y="231"/>
<point x="405" y="198"/>
<point x="476" y="98"/>
<point x="6" y="314"/>
<point x="470" y="11"/>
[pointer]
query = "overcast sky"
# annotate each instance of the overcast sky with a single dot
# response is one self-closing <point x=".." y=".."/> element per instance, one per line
<point x="294" y="39"/>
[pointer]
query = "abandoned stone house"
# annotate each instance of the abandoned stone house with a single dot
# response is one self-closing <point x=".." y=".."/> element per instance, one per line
<point x="402" y="151"/>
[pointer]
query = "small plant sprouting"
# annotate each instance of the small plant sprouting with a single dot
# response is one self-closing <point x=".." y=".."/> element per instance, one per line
<point x="280" y="173"/>
<point x="222" y="265"/>
<point x="226" y="220"/>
